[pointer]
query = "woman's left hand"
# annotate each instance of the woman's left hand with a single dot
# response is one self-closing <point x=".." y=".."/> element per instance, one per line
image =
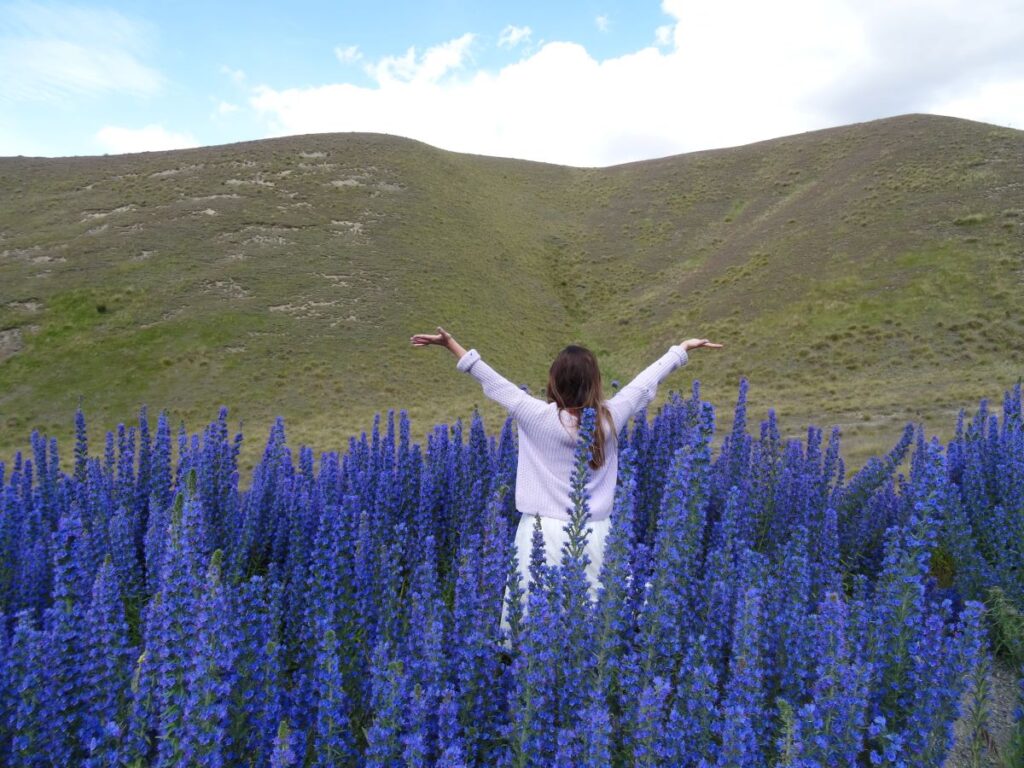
<point x="441" y="338"/>
<point x="695" y="343"/>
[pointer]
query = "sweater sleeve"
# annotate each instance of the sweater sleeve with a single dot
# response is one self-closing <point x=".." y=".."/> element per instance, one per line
<point x="498" y="388"/>
<point x="641" y="390"/>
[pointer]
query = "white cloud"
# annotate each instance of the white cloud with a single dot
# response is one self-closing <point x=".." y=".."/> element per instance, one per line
<point x="511" y="36"/>
<point x="236" y="76"/>
<point x="433" y="65"/>
<point x="602" y="23"/>
<point x="52" y="52"/>
<point x="226" y="108"/>
<point x="790" y="66"/>
<point x="663" y="35"/>
<point x="116" y="140"/>
<point x="348" y="54"/>
<point x="558" y="105"/>
<point x="917" y="54"/>
<point x="998" y="102"/>
<point x="15" y="141"/>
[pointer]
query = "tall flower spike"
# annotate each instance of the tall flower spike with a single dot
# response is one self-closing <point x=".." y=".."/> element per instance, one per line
<point x="614" y="610"/>
<point x="976" y="661"/>
<point x="283" y="755"/>
<point x="579" y="512"/>
<point x="514" y="600"/>
<point x="64" y="625"/>
<point x="81" y="446"/>
<point x="743" y="707"/>
<point x="384" y="747"/>
<point x="538" y="559"/>
<point x="694" y="719"/>
<point x="210" y="668"/>
<point x="333" y="743"/>
<point x="669" y="613"/>
<point x="173" y="628"/>
<point x="833" y="723"/>
<point x="108" y="667"/>
<point x="577" y="624"/>
<point x="535" y="695"/>
<point x="649" y="731"/>
<point x="31" y="722"/>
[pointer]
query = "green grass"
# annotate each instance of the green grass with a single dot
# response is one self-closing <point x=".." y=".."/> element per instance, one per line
<point x="863" y="276"/>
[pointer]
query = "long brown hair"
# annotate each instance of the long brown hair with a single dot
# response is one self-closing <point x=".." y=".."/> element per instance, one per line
<point x="574" y="383"/>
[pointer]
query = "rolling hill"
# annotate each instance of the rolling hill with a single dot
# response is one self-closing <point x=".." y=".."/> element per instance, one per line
<point x="861" y="276"/>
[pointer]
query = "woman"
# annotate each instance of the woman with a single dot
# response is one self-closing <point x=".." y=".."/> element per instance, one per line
<point x="547" y="440"/>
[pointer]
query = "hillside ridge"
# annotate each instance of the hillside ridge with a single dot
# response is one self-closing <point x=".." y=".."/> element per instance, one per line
<point x="864" y="276"/>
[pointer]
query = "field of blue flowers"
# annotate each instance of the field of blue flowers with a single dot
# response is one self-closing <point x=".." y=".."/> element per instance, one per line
<point x="757" y="607"/>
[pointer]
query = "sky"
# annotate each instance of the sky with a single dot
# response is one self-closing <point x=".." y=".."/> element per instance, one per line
<point x="576" y="82"/>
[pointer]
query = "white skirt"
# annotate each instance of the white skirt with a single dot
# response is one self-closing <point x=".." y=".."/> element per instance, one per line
<point x="554" y="537"/>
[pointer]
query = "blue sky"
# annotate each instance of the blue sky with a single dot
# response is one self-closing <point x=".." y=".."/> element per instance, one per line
<point x="582" y="83"/>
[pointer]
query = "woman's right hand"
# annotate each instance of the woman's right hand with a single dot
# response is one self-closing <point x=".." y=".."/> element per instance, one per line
<point x="695" y="343"/>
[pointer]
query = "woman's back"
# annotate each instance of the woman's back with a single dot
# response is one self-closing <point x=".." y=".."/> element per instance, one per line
<point x="548" y="434"/>
<point x="547" y="447"/>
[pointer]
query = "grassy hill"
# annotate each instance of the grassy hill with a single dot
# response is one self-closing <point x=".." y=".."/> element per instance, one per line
<point x="863" y="276"/>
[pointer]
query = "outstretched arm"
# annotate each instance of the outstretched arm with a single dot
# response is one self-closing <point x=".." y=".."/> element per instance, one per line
<point x="495" y="386"/>
<point x="640" y="391"/>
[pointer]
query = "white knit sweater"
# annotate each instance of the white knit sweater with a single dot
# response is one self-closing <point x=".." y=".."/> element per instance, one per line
<point x="547" y="438"/>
